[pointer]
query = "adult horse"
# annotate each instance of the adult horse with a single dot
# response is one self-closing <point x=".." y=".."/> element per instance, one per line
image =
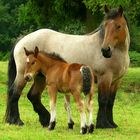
<point x="105" y="50"/>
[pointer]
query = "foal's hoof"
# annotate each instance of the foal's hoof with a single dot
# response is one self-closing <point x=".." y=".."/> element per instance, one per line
<point x="14" y="121"/>
<point x="83" y="130"/>
<point x="52" y="125"/>
<point x="71" y="124"/>
<point x="91" y="128"/>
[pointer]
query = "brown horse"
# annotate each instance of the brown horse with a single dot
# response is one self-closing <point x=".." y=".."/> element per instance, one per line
<point x="63" y="77"/>
<point x="105" y="50"/>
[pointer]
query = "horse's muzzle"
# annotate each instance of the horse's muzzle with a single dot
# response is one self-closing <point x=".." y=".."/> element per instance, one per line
<point x="107" y="53"/>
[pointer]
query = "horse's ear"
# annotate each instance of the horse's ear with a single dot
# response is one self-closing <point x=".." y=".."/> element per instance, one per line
<point x="36" y="51"/>
<point x="106" y="9"/>
<point x="120" y="10"/>
<point x="26" y="51"/>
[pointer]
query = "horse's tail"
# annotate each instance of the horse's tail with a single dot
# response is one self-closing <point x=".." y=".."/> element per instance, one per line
<point x="11" y="69"/>
<point x="87" y="79"/>
<point x="11" y="77"/>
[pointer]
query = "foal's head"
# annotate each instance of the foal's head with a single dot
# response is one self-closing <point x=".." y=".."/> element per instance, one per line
<point x="32" y="66"/>
<point x="115" y="30"/>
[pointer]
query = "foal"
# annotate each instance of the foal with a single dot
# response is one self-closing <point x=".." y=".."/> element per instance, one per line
<point x="63" y="77"/>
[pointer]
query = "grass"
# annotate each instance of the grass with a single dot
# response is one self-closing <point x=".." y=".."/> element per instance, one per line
<point x="126" y="114"/>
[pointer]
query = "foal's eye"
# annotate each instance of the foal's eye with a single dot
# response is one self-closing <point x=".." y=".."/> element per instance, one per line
<point x="33" y="63"/>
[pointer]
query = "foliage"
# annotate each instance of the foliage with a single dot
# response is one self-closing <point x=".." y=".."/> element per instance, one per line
<point x="70" y="16"/>
<point x="134" y="58"/>
<point x="98" y="5"/>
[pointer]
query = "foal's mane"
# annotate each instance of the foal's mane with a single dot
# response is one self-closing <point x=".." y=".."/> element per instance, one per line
<point x="53" y="56"/>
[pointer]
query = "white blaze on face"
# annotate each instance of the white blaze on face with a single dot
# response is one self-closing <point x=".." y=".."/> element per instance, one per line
<point x="27" y="60"/>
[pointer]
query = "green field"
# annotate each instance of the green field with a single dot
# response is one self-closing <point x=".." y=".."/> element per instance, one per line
<point x="126" y="114"/>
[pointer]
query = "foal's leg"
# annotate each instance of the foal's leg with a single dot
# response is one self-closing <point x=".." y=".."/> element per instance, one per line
<point x="34" y="96"/>
<point x="103" y="96"/>
<point x="110" y="104"/>
<point x="12" y="115"/>
<point x="52" y="91"/>
<point x="90" y="111"/>
<point x="80" y="105"/>
<point x="67" y="106"/>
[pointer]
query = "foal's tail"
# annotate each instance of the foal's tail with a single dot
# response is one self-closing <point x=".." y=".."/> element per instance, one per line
<point x="87" y="79"/>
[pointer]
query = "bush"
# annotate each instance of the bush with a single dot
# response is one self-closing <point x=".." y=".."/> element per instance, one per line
<point x="4" y="56"/>
<point x="134" y="59"/>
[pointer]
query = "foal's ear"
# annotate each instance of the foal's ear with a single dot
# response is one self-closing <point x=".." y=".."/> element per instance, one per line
<point x="26" y="51"/>
<point x="106" y="9"/>
<point x="36" y="51"/>
<point x="120" y="10"/>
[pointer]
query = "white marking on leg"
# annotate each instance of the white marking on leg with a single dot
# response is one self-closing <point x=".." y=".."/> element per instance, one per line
<point x="68" y="110"/>
<point x="53" y="112"/>
<point x="90" y="118"/>
<point x="83" y="119"/>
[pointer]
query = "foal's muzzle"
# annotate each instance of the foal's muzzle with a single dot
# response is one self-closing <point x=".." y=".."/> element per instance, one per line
<point x="28" y="78"/>
<point x="107" y="53"/>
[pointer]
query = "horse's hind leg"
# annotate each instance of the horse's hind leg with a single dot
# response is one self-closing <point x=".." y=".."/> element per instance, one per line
<point x="12" y="115"/>
<point x="68" y="109"/>
<point x="110" y="104"/>
<point x="34" y="96"/>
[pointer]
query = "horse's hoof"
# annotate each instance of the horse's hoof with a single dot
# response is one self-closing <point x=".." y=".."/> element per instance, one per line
<point x="44" y="119"/>
<point x="15" y="122"/>
<point x="52" y="125"/>
<point x="19" y="122"/>
<point x="91" y="128"/>
<point x="114" y="124"/>
<point x="104" y="125"/>
<point x="83" y="130"/>
<point x="71" y="124"/>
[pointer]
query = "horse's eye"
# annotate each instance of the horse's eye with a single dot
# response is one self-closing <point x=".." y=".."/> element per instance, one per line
<point x="118" y="26"/>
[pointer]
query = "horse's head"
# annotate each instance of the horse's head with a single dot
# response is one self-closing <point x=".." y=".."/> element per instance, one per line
<point x="115" y="30"/>
<point x="32" y="65"/>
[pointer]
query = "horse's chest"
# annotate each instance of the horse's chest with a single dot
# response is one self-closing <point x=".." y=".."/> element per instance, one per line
<point x="120" y="66"/>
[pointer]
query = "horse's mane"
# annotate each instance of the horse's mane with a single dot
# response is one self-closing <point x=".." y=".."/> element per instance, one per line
<point x="113" y="13"/>
<point x="54" y="56"/>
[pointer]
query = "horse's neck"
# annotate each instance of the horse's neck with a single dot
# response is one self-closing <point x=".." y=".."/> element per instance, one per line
<point x="127" y="41"/>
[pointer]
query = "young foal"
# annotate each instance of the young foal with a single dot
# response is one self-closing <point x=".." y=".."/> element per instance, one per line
<point x="63" y="77"/>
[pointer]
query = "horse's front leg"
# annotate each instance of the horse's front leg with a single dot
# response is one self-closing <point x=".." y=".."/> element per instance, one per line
<point x="34" y="96"/>
<point x="109" y="111"/>
<point x="68" y="109"/>
<point x="52" y="91"/>
<point x="12" y="115"/>
<point x="104" y="83"/>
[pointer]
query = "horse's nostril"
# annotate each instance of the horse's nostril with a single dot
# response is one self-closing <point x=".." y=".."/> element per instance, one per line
<point x="108" y="49"/>
<point x="106" y="52"/>
<point x="105" y="49"/>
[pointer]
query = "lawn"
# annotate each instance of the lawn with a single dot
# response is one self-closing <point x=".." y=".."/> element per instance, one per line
<point x="126" y="114"/>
